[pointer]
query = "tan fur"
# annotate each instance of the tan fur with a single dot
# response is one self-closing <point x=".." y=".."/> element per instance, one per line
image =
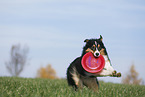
<point x="102" y="52"/>
<point x="76" y="78"/>
<point x="89" y="50"/>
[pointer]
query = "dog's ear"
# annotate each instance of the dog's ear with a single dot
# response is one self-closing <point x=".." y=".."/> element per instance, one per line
<point x="86" y="40"/>
<point x="101" y="38"/>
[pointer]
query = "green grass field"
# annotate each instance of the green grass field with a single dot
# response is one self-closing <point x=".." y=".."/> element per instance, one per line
<point x="27" y="87"/>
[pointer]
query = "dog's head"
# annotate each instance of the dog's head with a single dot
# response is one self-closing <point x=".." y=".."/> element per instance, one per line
<point x="95" y="46"/>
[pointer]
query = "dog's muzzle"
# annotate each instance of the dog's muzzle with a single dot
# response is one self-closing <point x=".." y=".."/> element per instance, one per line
<point x="97" y="53"/>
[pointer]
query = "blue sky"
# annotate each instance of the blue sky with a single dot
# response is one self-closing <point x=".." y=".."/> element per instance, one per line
<point x="54" y="31"/>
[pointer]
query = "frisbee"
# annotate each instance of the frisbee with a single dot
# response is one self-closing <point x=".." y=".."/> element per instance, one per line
<point x="93" y="64"/>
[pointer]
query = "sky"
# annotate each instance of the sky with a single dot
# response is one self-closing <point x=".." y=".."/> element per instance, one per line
<point x="54" y="31"/>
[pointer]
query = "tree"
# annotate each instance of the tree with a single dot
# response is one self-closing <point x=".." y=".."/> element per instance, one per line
<point x="18" y="59"/>
<point x="47" y="72"/>
<point x="132" y="77"/>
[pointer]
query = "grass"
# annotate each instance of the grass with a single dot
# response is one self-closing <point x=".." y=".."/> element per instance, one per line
<point x="27" y="87"/>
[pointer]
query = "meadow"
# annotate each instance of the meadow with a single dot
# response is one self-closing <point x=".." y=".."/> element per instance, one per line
<point x="28" y="87"/>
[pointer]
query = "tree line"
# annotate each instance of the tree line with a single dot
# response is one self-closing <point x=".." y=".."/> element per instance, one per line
<point x="19" y="59"/>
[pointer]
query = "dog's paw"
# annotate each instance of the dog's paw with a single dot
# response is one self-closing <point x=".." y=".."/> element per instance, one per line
<point x="118" y="74"/>
<point x="114" y="73"/>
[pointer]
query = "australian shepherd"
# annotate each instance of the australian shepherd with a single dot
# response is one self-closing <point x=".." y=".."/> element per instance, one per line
<point x="77" y="77"/>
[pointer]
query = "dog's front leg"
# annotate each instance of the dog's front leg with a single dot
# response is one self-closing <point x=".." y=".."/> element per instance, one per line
<point x="77" y="79"/>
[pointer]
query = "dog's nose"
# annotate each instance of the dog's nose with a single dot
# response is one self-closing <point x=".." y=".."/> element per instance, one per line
<point x="97" y="54"/>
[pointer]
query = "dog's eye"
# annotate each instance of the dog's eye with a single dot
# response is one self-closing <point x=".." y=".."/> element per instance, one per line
<point x="93" y="47"/>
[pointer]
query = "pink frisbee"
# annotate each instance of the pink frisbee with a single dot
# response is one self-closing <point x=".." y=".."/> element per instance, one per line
<point x="92" y="64"/>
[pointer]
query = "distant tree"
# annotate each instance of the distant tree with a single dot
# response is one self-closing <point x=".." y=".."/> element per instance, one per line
<point x="47" y="72"/>
<point x="18" y="59"/>
<point x="132" y="77"/>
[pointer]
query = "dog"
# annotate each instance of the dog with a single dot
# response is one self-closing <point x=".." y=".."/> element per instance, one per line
<point x="77" y="77"/>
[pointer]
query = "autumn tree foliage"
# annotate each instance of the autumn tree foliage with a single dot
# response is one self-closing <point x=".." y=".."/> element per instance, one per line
<point x="132" y="77"/>
<point x="47" y="72"/>
<point x="18" y="59"/>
